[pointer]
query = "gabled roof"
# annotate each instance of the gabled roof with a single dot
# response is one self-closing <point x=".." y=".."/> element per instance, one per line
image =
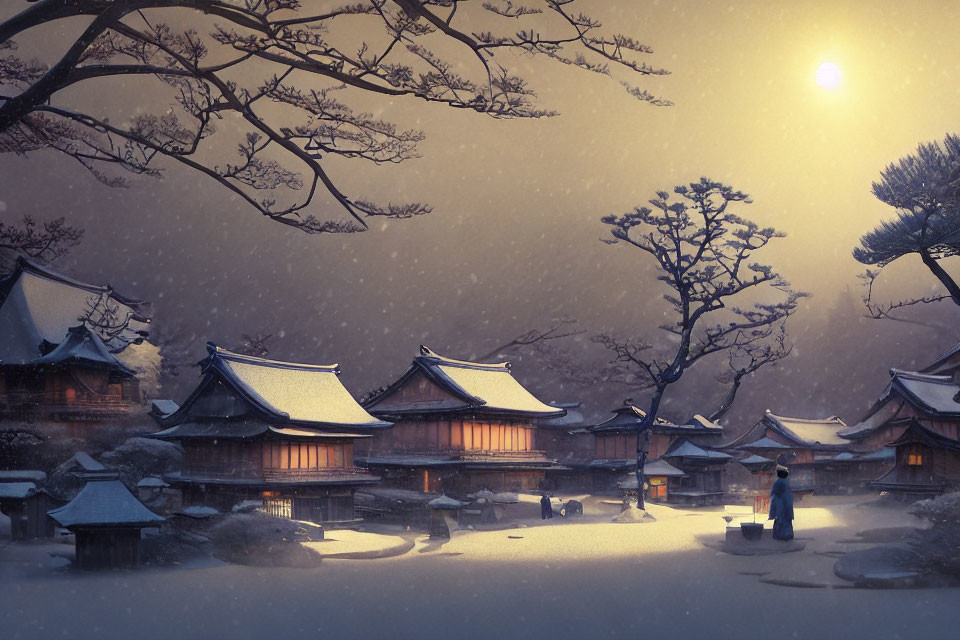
<point x="83" y="347"/>
<point x="652" y="469"/>
<point x="484" y="388"/>
<point x="758" y="463"/>
<point x="38" y="306"/>
<point x="283" y="392"/>
<point x="105" y="503"/>
<point x="704" y="423"/>
<point x="808" y="432"/>
<point x="916" y="433"/>
<point x="932" y="394"/>
<point x="574" y="417"/>
<point x="880" y="413"/>
<point x="763" y="443"/>
<point x="945" y="363"/>
<point x="683" y="448"/>
<point x="629" y="418"/>
<point x="163" y="407"/>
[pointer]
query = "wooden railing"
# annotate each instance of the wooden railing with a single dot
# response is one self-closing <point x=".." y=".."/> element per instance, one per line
<point x="249" y="470"/>
<point x="50" y="404"/>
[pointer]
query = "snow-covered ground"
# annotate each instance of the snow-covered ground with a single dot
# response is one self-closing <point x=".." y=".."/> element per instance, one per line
<point x="563" y="578"/>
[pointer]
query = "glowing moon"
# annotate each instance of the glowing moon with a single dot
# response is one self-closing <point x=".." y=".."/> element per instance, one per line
<point x="829" y="76"/>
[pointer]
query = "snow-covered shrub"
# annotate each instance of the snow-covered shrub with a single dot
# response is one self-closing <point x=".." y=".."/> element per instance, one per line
<point x="259" y="539"/>
<point x="138" y="458"/>
<point x="939" y="546"/>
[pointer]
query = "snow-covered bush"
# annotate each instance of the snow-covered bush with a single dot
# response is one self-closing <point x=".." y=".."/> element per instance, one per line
<point x="138" y="458"/>
<point x="259" y="539"/>
<point x="939" y="546"/>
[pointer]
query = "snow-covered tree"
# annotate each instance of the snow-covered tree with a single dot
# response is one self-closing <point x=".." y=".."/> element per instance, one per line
<point x="279" y="76"/>
<point x="924" y="190"/>
<point x="719" y="300"/>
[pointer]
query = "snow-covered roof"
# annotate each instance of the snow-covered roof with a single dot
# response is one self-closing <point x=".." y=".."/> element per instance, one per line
<point x="105" y="503"/>
<point x="945" y="363"/>
<point x="808" y="431"/>
<point x="763" y="443"/>
<point x="662" y="468"/>
<point x="880" y="413"/>
<point x="17" y="490"/>
<point x="573" y="418"/>
<point x="305" y="394"/>
<point x="446" y="502"/>
<point x="704" y="423"/>
<point x="933" y="394"/>
<point x="22" y="475"/>
<point x="152" y="482"/>
<point x="86" y="462"/>
<point x="630" y="418"/>
<point x="488" y="388"/>
<point x="39" y="306"/>
<point x="756" y="461"/>
<point x="686" y="449"/>
<point x="162" y="407"/>
<point x="83" y="347"/>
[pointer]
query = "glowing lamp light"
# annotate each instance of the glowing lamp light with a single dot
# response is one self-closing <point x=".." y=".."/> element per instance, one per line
<point x="829" y="76"/>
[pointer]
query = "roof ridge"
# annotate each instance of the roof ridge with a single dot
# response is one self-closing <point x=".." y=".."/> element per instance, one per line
<point x="808" y="420"/>
<point x="426" y="353"/>
<point x="233" y="356"/>
<point x="916" y="375"/>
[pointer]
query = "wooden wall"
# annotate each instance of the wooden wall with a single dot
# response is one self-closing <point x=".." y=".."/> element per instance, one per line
<point x="623" y="446"/>
<point x="456" y="435"/>
<point x="255" y="457"/>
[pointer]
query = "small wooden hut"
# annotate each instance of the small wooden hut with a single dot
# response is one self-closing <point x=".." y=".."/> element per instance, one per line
<point x="107" y="520"/>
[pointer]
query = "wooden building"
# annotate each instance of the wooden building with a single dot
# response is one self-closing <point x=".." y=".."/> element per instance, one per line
<point x="926" y="463"/>
<point x="62" y="348"/>
<point x="26" y="505"/>
<point x="820" y="459"/>
<point x="277" y="432"/>
<point x="106" y="520"/>
<point x="918" y="416"/>
<point x="681" y="465"/>
<point x="459" y="427"/>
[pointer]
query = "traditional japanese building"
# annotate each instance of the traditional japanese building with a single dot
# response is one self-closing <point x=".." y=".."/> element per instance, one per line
<point x="277" y="432"/>
<point x="460" y="427"/>
<point x="681" y="466"/>
<point x="918" y="416"/>
<point x="106" y="520"/>
<point x="62" y="348"/>
<point x="24" y="500"/>
<point x="820" y="457"/>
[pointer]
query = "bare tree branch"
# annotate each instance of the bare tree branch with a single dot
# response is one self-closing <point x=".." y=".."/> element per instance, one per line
<point x="286" y="56"/>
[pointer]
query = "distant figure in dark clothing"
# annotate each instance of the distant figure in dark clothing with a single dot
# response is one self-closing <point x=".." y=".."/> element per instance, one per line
<point x="781" y="506"/>
<point x="546" y="509"/>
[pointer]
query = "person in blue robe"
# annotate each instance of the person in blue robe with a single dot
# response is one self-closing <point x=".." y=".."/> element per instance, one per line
<point x="546" y="509"/>
<point x="781" y="506"/>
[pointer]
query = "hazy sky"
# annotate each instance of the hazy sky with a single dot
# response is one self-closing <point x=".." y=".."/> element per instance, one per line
<point x="514" y="238"/>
